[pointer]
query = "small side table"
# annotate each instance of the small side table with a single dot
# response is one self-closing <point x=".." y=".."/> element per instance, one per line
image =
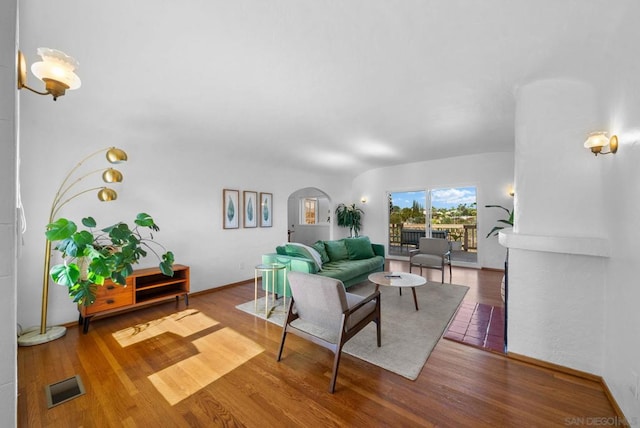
<point x="272" y="268"/>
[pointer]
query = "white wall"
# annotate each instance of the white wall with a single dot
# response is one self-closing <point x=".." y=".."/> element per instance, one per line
<point x="620" y="176"/>
<point x="573" y="292"/>
<point x="555" y="310"/>
<point x="180" y="187"/>
<point x="8" y="139"/>
<point x="490" y="173"/>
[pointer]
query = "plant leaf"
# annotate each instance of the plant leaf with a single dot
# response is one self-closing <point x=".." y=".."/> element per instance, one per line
<point x="145" y="220"/>
<point x="83" y="238"/>
<point x="68" y="247"/>
<point x="84" y="292"/>
<point x="88" y="222"/>
<point x="60" y="229"/>
<point x="66" y="275"/>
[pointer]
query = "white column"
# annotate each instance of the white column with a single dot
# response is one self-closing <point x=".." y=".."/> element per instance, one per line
<point x="556" y="285"/>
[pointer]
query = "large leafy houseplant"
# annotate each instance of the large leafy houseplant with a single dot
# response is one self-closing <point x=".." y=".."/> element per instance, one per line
<point x="93" y="255"/>
<point x="349" y="216"/>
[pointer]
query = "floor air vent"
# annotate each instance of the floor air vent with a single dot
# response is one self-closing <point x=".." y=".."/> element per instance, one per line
<point x="65" y="390"/>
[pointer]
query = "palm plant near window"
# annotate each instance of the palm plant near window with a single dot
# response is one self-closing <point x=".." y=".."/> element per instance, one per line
<point x="349" y="216"/>
<point x="508" y="221"/>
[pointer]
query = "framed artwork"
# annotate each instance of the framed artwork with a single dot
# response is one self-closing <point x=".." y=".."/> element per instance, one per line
<point x="230" y="209"/>
<point x="266" y="209"/>
<point x="250" y="210"/>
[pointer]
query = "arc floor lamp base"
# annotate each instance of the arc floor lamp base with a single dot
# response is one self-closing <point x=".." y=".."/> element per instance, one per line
<point x="32" y="335"/>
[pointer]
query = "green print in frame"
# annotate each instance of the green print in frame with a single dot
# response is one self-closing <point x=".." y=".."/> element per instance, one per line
<point x="230" y="211"/>
<point x="250" y="203"/>
<point x="266" y="209"/>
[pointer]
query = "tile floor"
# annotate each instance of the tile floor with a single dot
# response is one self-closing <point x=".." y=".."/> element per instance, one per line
<point x="478" y="325"/>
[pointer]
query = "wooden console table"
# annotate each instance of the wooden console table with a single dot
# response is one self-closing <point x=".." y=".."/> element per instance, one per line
<point x="144" y="287"/>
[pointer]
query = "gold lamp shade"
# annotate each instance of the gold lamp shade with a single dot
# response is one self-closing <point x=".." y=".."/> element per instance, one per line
<point x="105" y="194"/>
<point x="115" y="155"/>
<point x="111" y="175"/>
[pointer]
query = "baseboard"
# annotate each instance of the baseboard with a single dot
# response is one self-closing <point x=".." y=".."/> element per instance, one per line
<point x="493" y="269"/>
<point x="622" y="421"/>
<point x="222" y="287"/>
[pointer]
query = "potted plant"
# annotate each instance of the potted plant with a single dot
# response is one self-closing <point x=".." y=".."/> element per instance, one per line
<point x="91" y="256"/>
<point x="508" y="221"/>
<point x="494" y="232"/>
<point x="349" y="216"/>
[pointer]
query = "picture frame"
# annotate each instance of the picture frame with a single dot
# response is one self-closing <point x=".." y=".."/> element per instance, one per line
<point x="266" y="209"/>
<point x="230" y="209"/>
<point x="250" y="210"/>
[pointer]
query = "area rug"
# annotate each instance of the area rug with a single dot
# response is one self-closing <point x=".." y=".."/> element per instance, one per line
<point x="408" y="336"/>
<point x="478" y="325"/>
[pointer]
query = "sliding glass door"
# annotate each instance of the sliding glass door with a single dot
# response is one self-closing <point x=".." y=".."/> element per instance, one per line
<point x="407" y="220"/>
<point x="444" y="212"/>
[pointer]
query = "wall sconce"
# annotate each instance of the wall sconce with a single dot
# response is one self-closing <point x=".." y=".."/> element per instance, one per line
<point x="598" y="140"/>
<point x="56" y="70"/>
<point x="363" y="200"/>
<point x="43" y="334"/>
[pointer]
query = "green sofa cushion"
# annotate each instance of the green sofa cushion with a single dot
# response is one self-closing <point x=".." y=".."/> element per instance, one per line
<point x="359" y="248"/>
<point x="345" y="270"/>
<point x="337" y="250"/>
<point x="319" y="247"/>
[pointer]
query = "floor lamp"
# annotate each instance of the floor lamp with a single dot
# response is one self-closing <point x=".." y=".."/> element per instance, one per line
<point x="43" y="334"/>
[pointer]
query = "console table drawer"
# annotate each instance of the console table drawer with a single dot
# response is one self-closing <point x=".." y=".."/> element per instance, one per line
<point x="111" y="296"/>
<point x="144" y="287"/>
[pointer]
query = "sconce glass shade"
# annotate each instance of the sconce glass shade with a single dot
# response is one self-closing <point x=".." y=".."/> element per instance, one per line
<point x="112" y="176"/>
<point x="598" y="140"/>
<point x="115" y="155"/>
<point x="105" y="194"/>
<point x="56" y="67"/>
<point x="56" y="70"/>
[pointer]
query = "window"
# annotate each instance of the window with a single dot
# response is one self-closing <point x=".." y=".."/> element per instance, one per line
<point x="309" y="211"/>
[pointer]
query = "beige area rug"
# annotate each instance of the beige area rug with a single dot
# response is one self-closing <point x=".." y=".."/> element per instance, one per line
<point x="408" y="336"/>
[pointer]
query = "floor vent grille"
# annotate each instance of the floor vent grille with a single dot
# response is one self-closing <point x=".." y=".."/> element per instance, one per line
<point x="65" y="390"/>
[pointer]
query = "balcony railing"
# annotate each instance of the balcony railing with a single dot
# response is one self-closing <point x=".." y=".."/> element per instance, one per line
<point x="409" y="235"/>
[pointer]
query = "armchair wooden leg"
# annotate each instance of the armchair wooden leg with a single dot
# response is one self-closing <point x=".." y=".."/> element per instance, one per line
<point x="284" y="336"/>
<point x="378" y="323"/>
<point x="336" y="364"/>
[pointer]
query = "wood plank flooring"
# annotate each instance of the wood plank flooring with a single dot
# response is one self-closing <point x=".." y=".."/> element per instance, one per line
<point x="243" y="385"/>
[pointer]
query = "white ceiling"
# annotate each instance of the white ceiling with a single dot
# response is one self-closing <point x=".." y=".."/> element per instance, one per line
<point x="332" y="85"/>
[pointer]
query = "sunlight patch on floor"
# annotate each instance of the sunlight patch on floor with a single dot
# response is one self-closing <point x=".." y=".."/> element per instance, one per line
<point x="220" y="353"/>
<point x="183" y="324"/>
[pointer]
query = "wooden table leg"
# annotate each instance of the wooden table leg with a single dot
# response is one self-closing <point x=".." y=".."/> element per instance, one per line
<point x="415" y="299"/>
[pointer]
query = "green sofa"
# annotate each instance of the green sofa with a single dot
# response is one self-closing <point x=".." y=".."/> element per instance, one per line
<point x="351" y="260"/>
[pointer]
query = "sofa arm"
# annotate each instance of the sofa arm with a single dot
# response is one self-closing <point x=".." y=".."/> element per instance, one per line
<point x="296" y="264"/>
<point x="378" y="249"/>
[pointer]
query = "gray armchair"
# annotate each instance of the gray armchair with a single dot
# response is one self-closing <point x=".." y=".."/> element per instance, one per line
<point x="432" y="253"/>
<point x="322" y="312"/>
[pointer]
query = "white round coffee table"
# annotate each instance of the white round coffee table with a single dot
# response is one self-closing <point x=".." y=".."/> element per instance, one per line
<point x="400" y="280"/>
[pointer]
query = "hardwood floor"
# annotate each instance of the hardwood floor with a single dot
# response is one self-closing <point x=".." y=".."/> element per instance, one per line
<point x="130" y="383"/>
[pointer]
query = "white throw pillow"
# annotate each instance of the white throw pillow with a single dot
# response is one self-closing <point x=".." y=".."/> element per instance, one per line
<point x="312" y="251"/>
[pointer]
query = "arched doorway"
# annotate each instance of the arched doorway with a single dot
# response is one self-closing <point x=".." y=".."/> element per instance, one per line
<point x="309" y="216"/>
